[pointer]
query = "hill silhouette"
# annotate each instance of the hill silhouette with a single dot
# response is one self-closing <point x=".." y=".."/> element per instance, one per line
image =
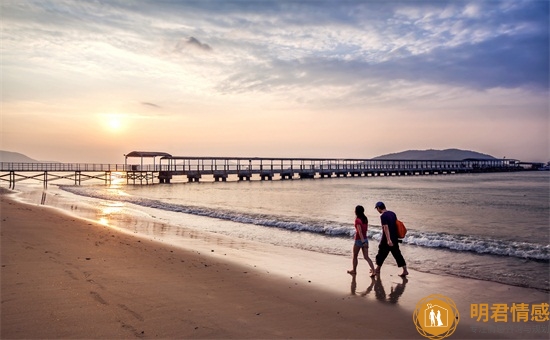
<point x="15" y="157"/>
<point x="433" y="155"/>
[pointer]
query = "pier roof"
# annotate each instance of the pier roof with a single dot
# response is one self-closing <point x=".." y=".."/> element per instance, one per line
<point x="147" y="154"/>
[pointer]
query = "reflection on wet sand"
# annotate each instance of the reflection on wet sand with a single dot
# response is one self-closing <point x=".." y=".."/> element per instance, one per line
<point x="108" y="210"/>
<point x="379" y="291"/>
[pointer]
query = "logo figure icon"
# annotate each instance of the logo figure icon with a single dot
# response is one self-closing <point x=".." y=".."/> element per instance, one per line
<point x="436" y="317"/>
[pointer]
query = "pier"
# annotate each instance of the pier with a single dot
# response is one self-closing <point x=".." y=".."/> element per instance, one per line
<point x="74" y="173"/>
<point x="220" y="168"/>
<point x="160" y="167"/>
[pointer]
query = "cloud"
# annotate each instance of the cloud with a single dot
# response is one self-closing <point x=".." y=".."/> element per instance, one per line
<point x="193" y="43"/>
<point x="479" y="46"/>
<point x="268" y="46"/>
<point x="502" y="62"/>
<point x="151" y="105"/>
<point x="505" y="61"/>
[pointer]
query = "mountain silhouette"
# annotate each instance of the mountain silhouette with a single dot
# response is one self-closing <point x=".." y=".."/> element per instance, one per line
<point x="435" y="155"/>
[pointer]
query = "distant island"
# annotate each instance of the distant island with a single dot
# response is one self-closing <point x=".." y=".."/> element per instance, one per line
<point x="15" y="157"/>
<point x="435" y="155"/>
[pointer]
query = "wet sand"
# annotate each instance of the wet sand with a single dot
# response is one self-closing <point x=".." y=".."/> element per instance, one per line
<point x="63" y="277"/>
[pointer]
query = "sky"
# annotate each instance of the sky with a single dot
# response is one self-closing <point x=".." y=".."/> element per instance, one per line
<point x="90" y="81"/>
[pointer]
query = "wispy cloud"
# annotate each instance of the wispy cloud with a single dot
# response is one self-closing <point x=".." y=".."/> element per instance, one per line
<point x="192" y="42"/>
<point x="151" y="105"/>
<point x="273" y="44"/>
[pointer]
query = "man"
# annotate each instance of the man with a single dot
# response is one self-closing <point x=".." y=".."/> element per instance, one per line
<point x="389" y="242"/>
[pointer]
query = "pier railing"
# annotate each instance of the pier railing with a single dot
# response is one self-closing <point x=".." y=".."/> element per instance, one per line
<point x="257" y="165"/>
<point x="62" y="167"/>
<point x="12" y="173"/>
<point x="244" y="167"/>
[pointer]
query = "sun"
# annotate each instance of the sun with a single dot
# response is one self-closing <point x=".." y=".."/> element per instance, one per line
<point x="113" y="122"/>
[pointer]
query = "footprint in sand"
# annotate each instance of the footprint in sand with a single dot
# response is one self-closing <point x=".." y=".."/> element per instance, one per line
<point x="98" y="298"/>
<point x="71" y="275"/>
<point x="134" y="314"/>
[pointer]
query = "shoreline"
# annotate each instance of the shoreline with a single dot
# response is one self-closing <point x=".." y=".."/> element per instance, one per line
<point x="509" y="270"/>
<point x="64" y="277"/>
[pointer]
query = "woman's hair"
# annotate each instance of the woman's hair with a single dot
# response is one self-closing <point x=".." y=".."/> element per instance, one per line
<point x="360" y="213"/>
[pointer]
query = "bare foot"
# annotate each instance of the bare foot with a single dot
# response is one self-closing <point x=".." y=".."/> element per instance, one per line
<point x="372" y="272"/>
<point x="351" y="272"/>
<point x="404" y="273"/>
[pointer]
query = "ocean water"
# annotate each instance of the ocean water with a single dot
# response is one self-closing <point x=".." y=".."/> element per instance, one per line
<point x="492" y="227"/>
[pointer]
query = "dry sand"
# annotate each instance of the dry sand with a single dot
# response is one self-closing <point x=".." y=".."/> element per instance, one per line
<point x="63" y="277"/>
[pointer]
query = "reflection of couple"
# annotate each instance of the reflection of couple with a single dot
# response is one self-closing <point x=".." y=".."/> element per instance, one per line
<point x="379" y="291"/>
<point x="433" y="318"/>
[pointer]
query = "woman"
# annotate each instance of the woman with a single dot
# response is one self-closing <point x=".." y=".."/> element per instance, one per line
<point x="361" y="241"/>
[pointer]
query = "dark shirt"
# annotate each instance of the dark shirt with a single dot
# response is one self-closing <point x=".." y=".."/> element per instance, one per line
<point x="388" y="218"/>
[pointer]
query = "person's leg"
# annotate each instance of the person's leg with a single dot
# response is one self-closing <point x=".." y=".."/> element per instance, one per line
<point x="355" y="261"/>
<point x="396" y="252"/>
<point x="383" y="251"/>
<point x="369" y="261"/>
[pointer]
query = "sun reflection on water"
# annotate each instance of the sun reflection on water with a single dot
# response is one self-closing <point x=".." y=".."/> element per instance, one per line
<point x="118" y="180"/>
<point x="107" y="210"/>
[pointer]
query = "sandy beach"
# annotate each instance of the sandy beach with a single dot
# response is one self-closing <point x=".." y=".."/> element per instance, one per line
<point x="63" y="277"/>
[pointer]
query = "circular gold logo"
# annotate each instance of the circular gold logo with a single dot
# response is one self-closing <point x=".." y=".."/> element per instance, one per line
<point x="436" y="317"/>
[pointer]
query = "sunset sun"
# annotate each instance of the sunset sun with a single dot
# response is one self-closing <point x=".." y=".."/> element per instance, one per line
<point x="113" y="122"/>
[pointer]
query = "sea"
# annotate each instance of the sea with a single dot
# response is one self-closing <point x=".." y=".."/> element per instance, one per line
<point x="485" y="226"/>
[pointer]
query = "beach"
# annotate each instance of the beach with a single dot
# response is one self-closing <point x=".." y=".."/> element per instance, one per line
<point x="65" y="277"/>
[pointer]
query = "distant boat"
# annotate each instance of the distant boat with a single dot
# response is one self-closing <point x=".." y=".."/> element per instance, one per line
<point x="545" y="168"/>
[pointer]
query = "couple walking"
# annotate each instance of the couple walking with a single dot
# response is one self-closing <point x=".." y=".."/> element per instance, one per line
<point x="388" y="243"/>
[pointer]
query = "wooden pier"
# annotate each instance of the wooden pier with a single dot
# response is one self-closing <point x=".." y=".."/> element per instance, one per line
<point x="165" y="168"/>
<point x="75" y="173"/>
<point x="194" y="168"/>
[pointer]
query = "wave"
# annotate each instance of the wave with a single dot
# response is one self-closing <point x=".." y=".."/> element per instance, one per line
<point x="456" y="242"/>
